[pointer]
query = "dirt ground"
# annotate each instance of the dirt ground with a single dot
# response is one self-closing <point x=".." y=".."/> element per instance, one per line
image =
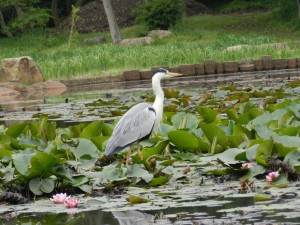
<point x="93" y="18"/>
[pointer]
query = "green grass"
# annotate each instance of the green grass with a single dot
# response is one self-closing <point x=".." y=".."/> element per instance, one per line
<point x="195" y="39"/>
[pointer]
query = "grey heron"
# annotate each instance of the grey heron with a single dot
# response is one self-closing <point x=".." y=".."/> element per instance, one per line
<point x="138" y="122"/>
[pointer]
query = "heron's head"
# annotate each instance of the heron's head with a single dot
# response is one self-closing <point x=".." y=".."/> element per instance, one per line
<point x="163" y="73"/>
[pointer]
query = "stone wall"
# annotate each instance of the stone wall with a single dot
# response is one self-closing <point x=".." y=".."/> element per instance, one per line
<point x="209" y="67"/>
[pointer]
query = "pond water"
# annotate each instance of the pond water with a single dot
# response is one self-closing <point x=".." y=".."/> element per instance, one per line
<point x="238" y="210"/>
<point x="76" y="104"/>
<point x="105" y="102"/>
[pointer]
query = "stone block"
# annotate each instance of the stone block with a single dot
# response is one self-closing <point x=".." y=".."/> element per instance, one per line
<point x="279" y="64"/>
<point x="231" y="67"/>
<point x="298" y="62"/>
<point x="210" y="67"/>
<point x="267" y="62"/>
<point x="187" y="69"/>
<point x="132" y="75"/>
<point x="146" y="74"/>
<point x="247" y="67"/>
<point x="258" y="64"/>
<point x="199" y="69"/>
<point x="219" y="67"/>
<point x="292" y="63"/>
<point x="174" y="69"/>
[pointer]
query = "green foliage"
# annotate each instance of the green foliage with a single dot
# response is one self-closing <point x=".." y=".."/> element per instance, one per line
<point x="31" y="19"/>
<point x="246" y="5"/>
<point x="44" y="158"/>
<point x="287" y="10"/>
<point x="160" y="14"/>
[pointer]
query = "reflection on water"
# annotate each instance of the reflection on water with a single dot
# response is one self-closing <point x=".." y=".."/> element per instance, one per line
<point x="178" y="216"/>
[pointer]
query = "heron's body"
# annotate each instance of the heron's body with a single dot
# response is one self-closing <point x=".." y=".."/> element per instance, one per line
<point x="124" y="134"/>
<point x="138" y="122"/>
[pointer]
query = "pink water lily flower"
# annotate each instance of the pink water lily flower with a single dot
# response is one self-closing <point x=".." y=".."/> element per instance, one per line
<point x="272" y="176"/>
<point x="71" y="202"/>
<point x="247" y="165"/>
<point x="59" y="198"/>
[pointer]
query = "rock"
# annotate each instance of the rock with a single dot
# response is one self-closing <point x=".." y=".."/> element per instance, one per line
<point x="21" y="70"/>
<point x="52" y="84"/>
<point x="94" y="40"/>
<point x="277" y="46"/>
<point x="137" y="41"/>
<point x="48" y="85"/>
<point x="159" y="33"/>
<point x="237" y="47"/>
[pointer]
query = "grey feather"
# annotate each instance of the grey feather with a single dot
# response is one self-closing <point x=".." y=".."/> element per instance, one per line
<point x="135" y="124"/>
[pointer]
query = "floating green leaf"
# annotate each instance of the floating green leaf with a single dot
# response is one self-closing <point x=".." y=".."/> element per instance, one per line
<point x="185" y="120"/>
<point x="133" y="199"/>
<point x="184" y="139"/>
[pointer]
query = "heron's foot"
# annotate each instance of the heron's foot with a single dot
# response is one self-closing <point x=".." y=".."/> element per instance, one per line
<point x="128" y="156"/>
<point x="140" y="154"/>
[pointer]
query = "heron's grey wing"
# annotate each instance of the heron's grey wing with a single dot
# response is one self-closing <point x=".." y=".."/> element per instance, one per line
<point x="135" y="124"/>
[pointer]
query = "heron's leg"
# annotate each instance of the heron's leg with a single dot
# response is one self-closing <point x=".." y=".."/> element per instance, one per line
<point x="128" y="155"/>
<point x="139" y="152"/>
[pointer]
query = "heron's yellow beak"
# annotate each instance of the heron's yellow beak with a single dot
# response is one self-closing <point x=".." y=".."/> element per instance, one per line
<point x="170" y="74"/>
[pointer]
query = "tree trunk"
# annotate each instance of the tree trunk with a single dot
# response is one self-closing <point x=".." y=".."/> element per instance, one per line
<point x="113" y="25"/>
<point x="3" y="25"/>
<point x="54" y="12"/>
<point x="298" y="3"/>
<point x="18" y="9"/>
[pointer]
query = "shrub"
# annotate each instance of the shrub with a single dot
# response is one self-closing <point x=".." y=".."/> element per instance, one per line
<point x="31" y="19"/>
<point x="160" y="14"/>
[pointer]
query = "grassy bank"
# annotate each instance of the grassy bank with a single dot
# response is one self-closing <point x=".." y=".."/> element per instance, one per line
<point x="195" y="40"/>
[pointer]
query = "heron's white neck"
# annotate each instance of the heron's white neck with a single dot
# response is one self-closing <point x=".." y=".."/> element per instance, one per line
<point x="159" y="100"/>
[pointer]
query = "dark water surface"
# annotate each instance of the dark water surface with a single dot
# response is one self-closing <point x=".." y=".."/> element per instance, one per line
<point x="180" y="216"/>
